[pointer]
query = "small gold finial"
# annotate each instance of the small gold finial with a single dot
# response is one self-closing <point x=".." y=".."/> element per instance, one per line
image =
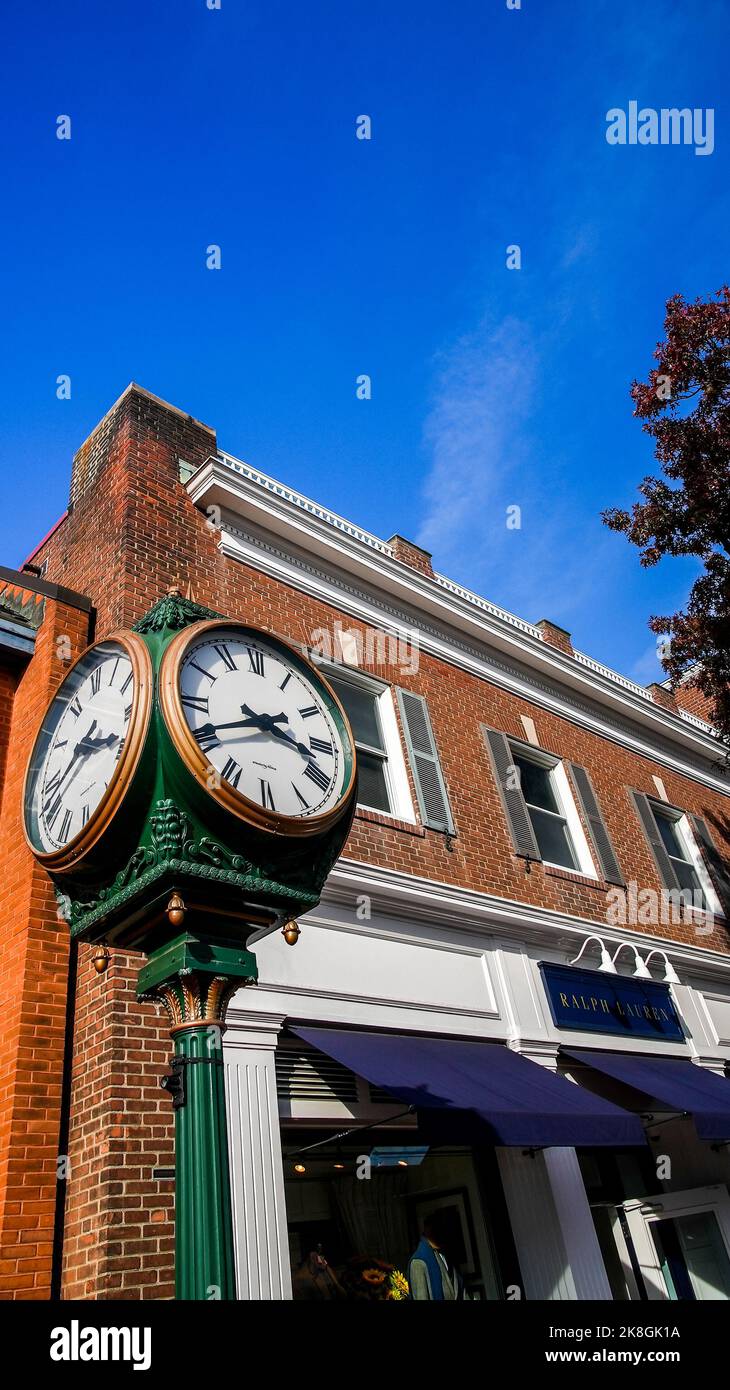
<point x="291" y="932"/>
<point x="175" y="911"/>
<point x="100" y="959"/>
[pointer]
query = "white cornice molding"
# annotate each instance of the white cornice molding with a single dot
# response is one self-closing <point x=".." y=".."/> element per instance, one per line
<point x="273" y="506"/>
<point x="463" y="909"/>
<point x="577" y="680"/>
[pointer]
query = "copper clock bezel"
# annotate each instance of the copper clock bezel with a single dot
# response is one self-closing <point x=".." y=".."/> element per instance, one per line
<point x="68" y="856"/>
<point x="226" y="795"/>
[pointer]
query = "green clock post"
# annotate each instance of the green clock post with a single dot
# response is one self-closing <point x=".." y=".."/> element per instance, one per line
<point x="190" y="787"/>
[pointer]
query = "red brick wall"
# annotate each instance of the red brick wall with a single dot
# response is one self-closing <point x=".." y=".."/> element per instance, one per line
<point x="690" y="697"/>
<point x="133" y="531"/>
<point x="8" y="683"/>
<point x="33" y="976"/>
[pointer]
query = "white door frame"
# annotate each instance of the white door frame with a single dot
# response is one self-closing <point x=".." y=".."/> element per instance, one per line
<point x="642" y="1212"/>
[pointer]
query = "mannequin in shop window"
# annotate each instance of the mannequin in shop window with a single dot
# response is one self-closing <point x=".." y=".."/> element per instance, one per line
<point x="431" y="1274"/>
<point x="315" y="1278"/>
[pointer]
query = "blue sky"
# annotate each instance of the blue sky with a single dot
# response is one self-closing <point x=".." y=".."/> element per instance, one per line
<point x="491" y="388"/>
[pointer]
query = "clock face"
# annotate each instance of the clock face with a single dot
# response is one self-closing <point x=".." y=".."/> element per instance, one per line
<point x="80" y="747"/>
<point x="264" y="723"/>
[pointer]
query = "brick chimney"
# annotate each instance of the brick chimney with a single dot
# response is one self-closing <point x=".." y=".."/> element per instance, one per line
<point x="556" y="636"/>
<point x="410" y="554"/>
<point x="661" y="695"/>
<point x="127" y="506"/>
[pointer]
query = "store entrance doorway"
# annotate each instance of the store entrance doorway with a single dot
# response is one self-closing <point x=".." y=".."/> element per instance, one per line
<point x="676" y="1246"/>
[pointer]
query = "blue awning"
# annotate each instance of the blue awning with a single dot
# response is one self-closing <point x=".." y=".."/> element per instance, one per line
<point x="513" y="1101"/>
<point x="674" y="1082"/>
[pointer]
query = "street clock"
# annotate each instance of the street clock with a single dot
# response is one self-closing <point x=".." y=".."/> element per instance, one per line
<point x="87" y="751"/>
<point x="258" y="725"/>
<point x="194" y="755"/>
<point x="190" y="787"/>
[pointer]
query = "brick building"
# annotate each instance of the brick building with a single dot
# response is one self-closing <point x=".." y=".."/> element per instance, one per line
<point x="521" y="805"/>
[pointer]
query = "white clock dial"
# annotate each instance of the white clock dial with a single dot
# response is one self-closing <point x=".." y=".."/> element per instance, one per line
<point x="79" y="746"/>
<point x="262" y="724"/>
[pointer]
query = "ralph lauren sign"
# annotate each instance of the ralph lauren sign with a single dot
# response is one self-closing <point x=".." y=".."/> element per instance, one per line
<point x="593" y="1002"/>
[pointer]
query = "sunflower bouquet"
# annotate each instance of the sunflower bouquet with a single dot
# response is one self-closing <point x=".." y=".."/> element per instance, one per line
<point x="370" y="1280"/>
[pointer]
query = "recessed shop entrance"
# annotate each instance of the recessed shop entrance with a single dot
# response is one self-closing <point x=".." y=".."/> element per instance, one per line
<point x="680" y="1243"/>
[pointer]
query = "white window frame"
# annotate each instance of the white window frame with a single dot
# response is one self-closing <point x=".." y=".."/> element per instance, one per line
<point x="396" y="774"/>
<point x="566" y="807"/>
<point x="686" y="834"/>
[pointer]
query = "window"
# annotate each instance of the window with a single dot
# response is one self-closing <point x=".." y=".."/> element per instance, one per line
<point x="545" y="809"/>
<point x="675" y="841"/>
<point x="382" y="776"/>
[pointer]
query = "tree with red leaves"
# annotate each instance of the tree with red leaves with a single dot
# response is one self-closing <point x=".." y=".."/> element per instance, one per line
<point x="685" y="407"/>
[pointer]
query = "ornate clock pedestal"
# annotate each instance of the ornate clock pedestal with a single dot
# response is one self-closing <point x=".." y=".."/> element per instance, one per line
<point x="195" y="977"/>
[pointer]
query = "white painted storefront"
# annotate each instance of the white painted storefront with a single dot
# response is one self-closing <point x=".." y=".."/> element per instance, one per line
<point x="446" y="962"/>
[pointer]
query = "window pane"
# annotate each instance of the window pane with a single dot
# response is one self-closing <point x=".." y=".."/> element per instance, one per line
<point x="360" y="707"/>
<point x="686" y="875"/>
<point x="668" y="831"/>
<point x="553" y="839"/>
<point x="536" y="784"/>
<point x="372" y="786"/>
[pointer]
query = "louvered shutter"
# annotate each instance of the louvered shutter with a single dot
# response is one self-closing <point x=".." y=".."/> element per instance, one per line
<point x="607" y="861"/>
<point x="515" y="810"/>
<point x="717" y="865"/>
<point x="427" y="775"/>
<point x="656" y="844"/>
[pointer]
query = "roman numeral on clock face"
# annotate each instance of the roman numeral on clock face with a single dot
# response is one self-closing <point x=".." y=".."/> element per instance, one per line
<point x="206" y="737"/>
<point x="66" y="824"/>
<point x="203" y="672"/>
<point x="53" y="784"/>
<point x="198" y="702"/>
<point x="50" y="812"/>
<point x="127" y="684"/>
<point x="321" y="745"/>
<point x="226" y="657"/>
<point x="316" y="775"/>
<point x="305" y="805"/>
<point x="75" y="707"/>
<point x="232" y="772"/>
<point x="267" y="800"/>
<point x="96" y="680"/>
<point x="256" y="661"/>
<point x="285" y="681"/>
<point x="308" y="711"/>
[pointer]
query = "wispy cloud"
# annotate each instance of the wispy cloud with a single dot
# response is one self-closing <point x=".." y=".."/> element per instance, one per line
<point x="488" y="458"/>
<point x="482" y="401"/>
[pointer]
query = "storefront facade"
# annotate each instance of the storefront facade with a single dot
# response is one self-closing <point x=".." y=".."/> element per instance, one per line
<point x="580" y="1223"/>
<point x="521" y="806"/>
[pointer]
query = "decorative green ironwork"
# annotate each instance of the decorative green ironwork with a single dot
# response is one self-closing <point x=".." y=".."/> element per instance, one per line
<point x="172" y="613"/>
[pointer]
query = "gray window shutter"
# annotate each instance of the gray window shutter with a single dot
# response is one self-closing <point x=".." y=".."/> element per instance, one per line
<point x="427" y="775"/>
<point x="712" y="857"/>
<point x="607" y="861"/>
<point x="515" y="810"/>
<point x="656" y="844"/>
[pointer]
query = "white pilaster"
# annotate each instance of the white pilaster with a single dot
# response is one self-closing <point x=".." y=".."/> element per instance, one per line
<point x="536" y="1227"/>
<point x="576" y="1224"/>
<point x="257" y="1176"/>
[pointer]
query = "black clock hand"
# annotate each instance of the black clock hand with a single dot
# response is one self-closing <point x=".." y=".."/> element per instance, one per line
<point x="79" y="752"/>
<point x="234" y="724"/>
<point x="263" y="719"/>
<point x="266" y="722"/>
<point x="300" y="747"/>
